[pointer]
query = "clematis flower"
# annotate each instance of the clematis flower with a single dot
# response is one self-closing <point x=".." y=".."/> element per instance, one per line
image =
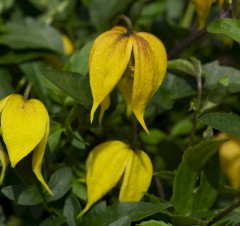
<point x="111" y="161"/>
<point x="25" y="129"/>
<point x="229" y="154"/>
<point x="135" y="61"/>
<point x="203" y="8"/>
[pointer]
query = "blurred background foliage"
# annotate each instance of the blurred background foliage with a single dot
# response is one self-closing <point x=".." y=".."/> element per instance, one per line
<point x="47" y="43"/>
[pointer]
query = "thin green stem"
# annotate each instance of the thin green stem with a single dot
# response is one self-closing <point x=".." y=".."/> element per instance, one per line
<point x="27" y="91"/>
<point x="198" y="76"/>
<point x="187" y="19"/>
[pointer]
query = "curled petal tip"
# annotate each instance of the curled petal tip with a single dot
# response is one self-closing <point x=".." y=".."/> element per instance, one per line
<point x="87" y="207"/>
<point x="141" y="121"/>
<point x="94" y="108"/>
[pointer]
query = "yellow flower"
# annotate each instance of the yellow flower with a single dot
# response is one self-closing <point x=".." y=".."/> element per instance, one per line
<point x="229" y="153"/>
<point x="111" y="161"/>
<point x="135" y="61"/>
<point x="25" y="129"/>
<point x="203" y="8"/>
<point x="67" y="45"/>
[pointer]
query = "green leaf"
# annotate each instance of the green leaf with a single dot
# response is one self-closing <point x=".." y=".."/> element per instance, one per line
<point x="60" y="183"/>
<point x="183" y="127"/>
<point x="5" y="4"/>
<point x="23" y="195"/>
<point x="186" y="221"/>
<point x="154" y="137"/>
<point x="30" y="34"/>
<point x="75" y="85"/>
<point x="178" y="86"/>
<point x="183" y="186"/>
<point x="136" y="211"/>
<point x="194" y="159"/>
<point x="56" y="221"/>
<point x="226" y="26"/>
<point x="102" y="12"/>
<point x="71" y="209"/>
<point x="216" y="76"/>
<point x="79" y="60"/>
<point x="226" y="122"/>
<point x="32" y="71"/>
<point x="182" y="65"/>
<point x="79" y="190"/>
<point x="55" y="134"/>
<point x="124" y="221"/>
<point x="149" y="12"/>
<point x="13" y="57"/>
<point x="208" y="190"/>
<point x="5" y="81"/>
<point x="153" y="223"/>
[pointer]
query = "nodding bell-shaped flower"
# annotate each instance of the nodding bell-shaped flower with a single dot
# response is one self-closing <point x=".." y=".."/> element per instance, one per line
<point x="229" y="154"/>
<point x="135" y="61"/>
<point x="108" y="163"/>
<point x="203" y="8"/>
<point x="24" y="128"/>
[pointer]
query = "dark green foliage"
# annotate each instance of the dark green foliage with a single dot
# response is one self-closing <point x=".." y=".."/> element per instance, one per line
<point x="198" y="98"/>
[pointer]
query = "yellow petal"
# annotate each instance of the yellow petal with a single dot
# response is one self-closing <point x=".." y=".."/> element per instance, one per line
<point x="37" y="158"/>
<point x="137" y="177"/>
<point x="229" y="154"/>
<point x="233" y="172"/>
<point x="67" y="45"/>
<point x="150" y="67"/>
<point x="4" y="162"/>
<point x="23" y="126"/>
<point x="229" y="151"/>
<point x="106" y="166"/>
<point x="4" y="101"/>
<point x="203" y="9"/>
<point x="108" y="60"/>
<point x="104" y="106"/>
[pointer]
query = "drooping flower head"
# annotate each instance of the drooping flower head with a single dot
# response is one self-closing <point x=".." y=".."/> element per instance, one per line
<point x="203" y="8"/>
<point x="135" y="61"/>
<point x="229" y="154"/>
<point x="24" y="128"/>
<point x="112" y="160"/>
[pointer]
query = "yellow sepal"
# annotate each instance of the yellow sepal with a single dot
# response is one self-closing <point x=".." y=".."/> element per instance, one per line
<point x="37" y="158"/>
<point x="68" y="47"/>
<point x="4" y="162"/>
<point x="105" y="167"/>
<point x="137" y="177"/>
<point x="23" y="125"/>
<point x="203" y="9"/>
<point x="108" y="60"/>
<point x="4" y="101"/>
<point x="149" y="69"/>
<point x="229" y="154"/>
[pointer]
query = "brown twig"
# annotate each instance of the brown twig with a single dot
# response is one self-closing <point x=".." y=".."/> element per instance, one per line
<point x="195" y="36"/>
<point x="224" y="213"/>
